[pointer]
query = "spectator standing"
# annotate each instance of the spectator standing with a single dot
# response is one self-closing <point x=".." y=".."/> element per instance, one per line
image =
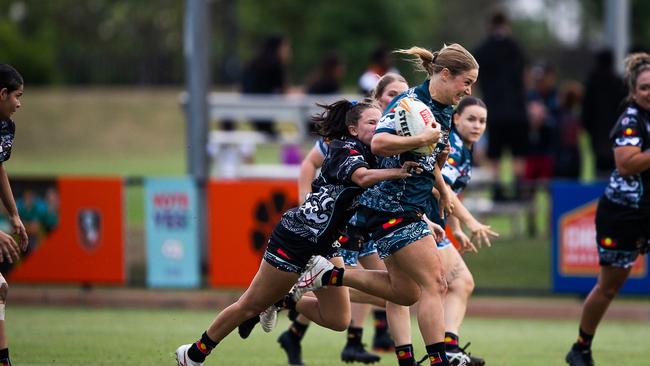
<point x="327" y="78"/>
<point x="543" y="113"/>
<point x="501" y="81"/>
<point x="381" y="63"/>
<point x="266" y="74"/>
<point x="604" y="93"/>
<point x="568" y="161"/>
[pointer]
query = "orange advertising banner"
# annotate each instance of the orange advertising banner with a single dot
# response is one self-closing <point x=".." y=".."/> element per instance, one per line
<point x="241" y="217"/>
<point x="84" y="242"/>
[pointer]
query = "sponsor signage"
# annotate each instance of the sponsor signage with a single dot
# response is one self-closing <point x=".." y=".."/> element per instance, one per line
<point x="172" y="233"/>
<point x="574" y="251"/>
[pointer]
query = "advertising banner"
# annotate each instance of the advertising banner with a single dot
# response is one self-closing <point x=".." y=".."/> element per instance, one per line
<point x="172" y="233"/>
<point x="574" y="251"/>
<point x="241" y="216"/>
<point x="76" y="230"/>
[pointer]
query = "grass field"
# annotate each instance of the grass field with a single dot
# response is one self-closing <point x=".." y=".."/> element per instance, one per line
<point x="74" y="336"/>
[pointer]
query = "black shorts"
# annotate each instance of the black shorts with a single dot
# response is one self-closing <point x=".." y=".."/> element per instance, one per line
<point x="622" y="233"/>
<point x="513" y="135"/>
<point x="353" y="238"/>
<point x="290" y="252"/>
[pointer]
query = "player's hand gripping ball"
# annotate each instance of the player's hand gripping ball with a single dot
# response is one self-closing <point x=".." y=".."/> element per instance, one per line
<point x="411" y="118"/>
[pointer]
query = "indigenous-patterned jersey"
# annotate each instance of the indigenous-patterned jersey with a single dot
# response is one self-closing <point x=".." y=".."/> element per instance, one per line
<point x="412" y="193"/>
<point x="323" y="215"/>
<point x="631" y="129"/>
<point x="321" y="146"/>
<point x="458" y="169"/>
<point x="7" y="132"/>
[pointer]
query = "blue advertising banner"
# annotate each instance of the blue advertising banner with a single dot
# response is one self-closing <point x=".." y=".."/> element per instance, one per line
<point x="172" y="233"/>
<point x="574" y="252"/>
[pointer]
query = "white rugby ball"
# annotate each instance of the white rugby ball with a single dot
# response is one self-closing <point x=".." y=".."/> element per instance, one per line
<point x="411" y="116"/>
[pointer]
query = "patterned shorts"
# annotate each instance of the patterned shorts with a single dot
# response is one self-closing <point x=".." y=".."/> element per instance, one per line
<point x="400" y="238"/>
<point x="621" y="234"/>
<point x="289" y="252"/>
<point x="351" y="257"/>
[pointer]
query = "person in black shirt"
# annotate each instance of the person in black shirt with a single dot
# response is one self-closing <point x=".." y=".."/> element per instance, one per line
<point x="604" y="93"/>
<point x="266" y="74"/>
<point x="327" y="78"/>
<point x="502" y="87"/>
<point x="623" y="213"/>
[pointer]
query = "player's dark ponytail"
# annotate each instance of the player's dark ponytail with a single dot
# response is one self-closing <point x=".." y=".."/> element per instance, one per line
<point x="333" y="122"/>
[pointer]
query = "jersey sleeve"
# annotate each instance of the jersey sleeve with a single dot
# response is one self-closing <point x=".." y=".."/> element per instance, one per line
<point x="451" y="170"/>
<point x="7" y="131"/>
<point x="322" y="147"/>
<point x="345" y="159"/>
<point x="387" y="123"/>
<point x="627" y="131"/>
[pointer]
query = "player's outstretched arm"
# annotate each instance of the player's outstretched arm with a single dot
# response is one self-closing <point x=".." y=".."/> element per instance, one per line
<point x="312" y="162"/>
<point x="463" y="240"/>
<point x="482" y="233"/>
<point x="365" y="177"/>
<point x="7" y="198"/>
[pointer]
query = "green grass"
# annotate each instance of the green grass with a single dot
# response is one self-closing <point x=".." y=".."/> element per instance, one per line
<point x="80" y="336"/>
<point x="512" y="263"/>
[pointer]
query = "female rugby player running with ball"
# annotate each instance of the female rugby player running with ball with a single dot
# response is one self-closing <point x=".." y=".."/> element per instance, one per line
<point x="393" y="211"/>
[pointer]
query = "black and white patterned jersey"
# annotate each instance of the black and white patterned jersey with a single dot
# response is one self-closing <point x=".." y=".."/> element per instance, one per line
<point x="7" y="133"/>
<point x="326" y="211"/>
<point x="631" y="129"/>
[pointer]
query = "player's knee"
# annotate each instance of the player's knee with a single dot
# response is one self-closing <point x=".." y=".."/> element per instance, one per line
<point x="338" y="323"/>
<point x="406" y="294"/>
<point x="440" y="284"/>
<point x="609" y="292"/>
<point x="408" y="298"/>
<point x="248" y="308"/>
<point x="463" y="284"/>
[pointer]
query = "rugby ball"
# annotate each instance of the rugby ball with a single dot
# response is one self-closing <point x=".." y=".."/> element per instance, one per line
<point x="411" y="116"/>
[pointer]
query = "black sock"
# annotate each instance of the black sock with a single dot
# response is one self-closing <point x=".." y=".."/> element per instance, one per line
<point x="293" y="314"/>
<point x="437" y="355"/>
<point x="4" y="357"/>
<point x="405" y="356"/>
<point x="287" y="302"/>
<point x="451" y="342"/>
<point x="298" y="329"/>
<point x="354" y="335"/>
<point x="381" y="323"/>
<point x="333" y="277"/>
<point x="584" y="341"/>
<point x="201" y="348"/>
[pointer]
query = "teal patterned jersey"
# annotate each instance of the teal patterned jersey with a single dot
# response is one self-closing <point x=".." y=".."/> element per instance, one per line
<point x="458" y="168"/>
<point x="412" y="193"/>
